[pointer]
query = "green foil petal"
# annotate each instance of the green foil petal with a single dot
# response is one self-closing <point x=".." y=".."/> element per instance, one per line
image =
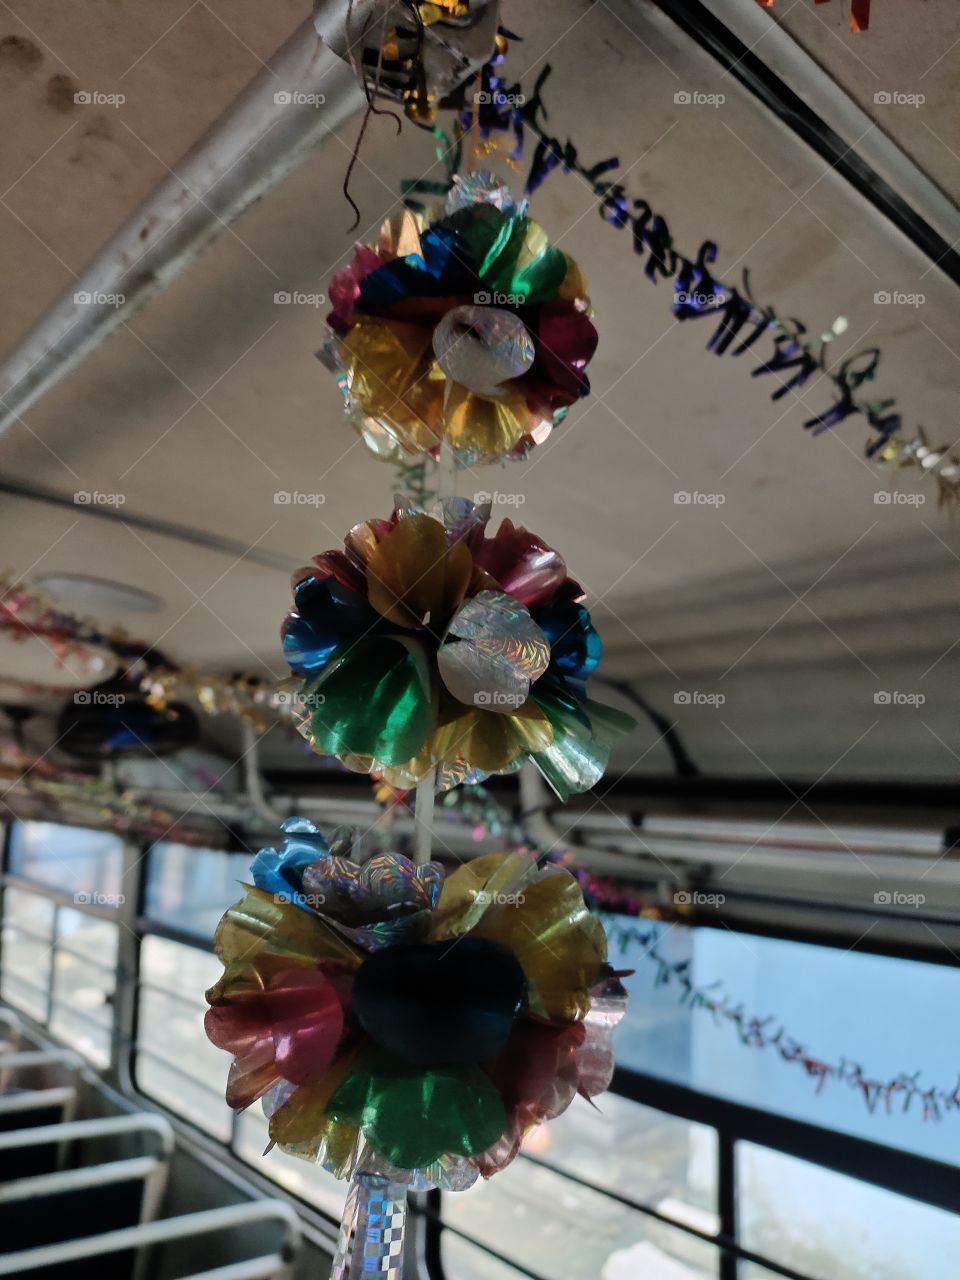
<point x="413" y="1118"/>
<point x="540" y="280"/>
<point x="377" y="700"/>
<point x="583" y="737"/>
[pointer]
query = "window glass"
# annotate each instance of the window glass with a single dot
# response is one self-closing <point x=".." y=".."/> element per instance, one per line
<point x="840" y="1005"/>
<point x="84" y="982"/>
<point x="85" y="864"/>
<point x="468" y="1262"/>
<point x="308" y="1181"/>
<point x="175" y="1062"/>
<point x="654" y="1158"/>
<point x="835" y="1228"/>
<point x="190" y="888"/>
<point x="550" y="1225"/>
<point x="26" y="951"/>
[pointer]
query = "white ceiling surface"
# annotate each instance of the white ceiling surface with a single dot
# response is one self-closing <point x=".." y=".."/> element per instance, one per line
<point x="211" y="400"/>
<point x="909" y="50"/>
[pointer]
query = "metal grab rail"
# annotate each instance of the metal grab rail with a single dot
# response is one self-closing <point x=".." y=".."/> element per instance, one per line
<point x="10" y="1063"/>
<point x="146" y="1169"/>
<point x="63" y="1096"/>
<point x="163" y="1232"/>
<point x="105" y="1127"/>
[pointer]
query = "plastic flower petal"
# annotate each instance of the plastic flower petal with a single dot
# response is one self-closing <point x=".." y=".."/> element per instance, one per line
<point x="474" y="330"/>
<point x="425" y="1057"/>
<point x="289" y="1030"/>
<point x="426" y="645"/>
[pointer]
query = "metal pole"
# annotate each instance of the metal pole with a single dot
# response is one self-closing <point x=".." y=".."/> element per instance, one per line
<point x="283" y="114"/>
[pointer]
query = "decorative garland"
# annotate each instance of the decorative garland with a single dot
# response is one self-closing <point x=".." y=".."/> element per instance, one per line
<point x="613" y="898"/>
<point x="506" y="113"/>
<point x="766" y="1033"/>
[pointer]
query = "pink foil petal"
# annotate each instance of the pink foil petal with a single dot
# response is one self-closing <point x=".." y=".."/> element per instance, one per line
<point x="307" y="1020"/>
<point x="525" y="567"/>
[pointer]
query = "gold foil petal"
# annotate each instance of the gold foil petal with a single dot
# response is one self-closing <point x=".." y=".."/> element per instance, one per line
<point x="559" y="944"/>
<point x="413" y="577"/>
<point x="491" y="741"/>
<point x="400" y="234"/>
<point x="268" y="935"/>
<point x="468" y="892"/>
<point x="488" y="428"/>
<point x="393" y="376"/>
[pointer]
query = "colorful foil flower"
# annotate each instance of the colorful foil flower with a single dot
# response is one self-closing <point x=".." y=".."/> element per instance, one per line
<point x="426" y="644"/>
<point x="473" y="330"/>
<point x="398" y="1022"/>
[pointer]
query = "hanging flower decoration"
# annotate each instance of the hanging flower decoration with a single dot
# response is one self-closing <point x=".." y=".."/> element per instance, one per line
<point x="398" y="1021"/>
<point x="472" y="330"/>
<point x="426" y="644"/>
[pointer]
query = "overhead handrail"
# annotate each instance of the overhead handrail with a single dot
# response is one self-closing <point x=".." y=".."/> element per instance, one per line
<point x="160" y="1232"/>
